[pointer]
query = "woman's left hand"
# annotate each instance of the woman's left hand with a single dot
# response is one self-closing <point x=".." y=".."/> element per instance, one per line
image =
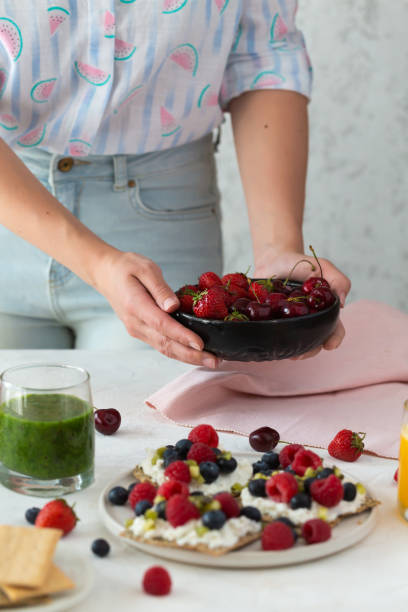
<point x="281" y="264"/>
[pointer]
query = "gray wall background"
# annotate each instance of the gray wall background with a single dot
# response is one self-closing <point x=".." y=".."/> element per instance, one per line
<point x="357" y="195"/>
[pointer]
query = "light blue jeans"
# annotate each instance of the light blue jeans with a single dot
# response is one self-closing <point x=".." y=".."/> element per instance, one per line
<point x="164" y="205"/>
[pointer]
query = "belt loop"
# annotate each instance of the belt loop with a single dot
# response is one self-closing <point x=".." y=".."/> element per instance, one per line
<point x="120" y="178"/>
<point x="53" y="165"/>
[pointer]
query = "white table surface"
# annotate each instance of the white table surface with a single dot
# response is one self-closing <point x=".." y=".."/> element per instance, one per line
<point x="372" y="575"/>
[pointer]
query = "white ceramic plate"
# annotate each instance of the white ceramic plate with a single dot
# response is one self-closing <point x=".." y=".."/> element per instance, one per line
<point x="350" y="531"/>
<point x="80" y="570"/>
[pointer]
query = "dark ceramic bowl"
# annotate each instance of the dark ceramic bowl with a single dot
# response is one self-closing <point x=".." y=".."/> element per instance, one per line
<point x="264" y="340"/>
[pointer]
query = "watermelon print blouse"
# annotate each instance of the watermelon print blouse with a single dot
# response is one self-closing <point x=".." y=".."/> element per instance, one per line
<point x="83" y="77"/>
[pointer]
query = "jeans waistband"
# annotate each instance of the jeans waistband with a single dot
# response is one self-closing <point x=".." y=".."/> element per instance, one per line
<point x="116" y="169"/>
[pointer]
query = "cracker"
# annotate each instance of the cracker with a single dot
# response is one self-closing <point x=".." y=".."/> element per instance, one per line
<point x="26" y="554"/>
<point x="56" y="582"/>
<point x="34" y="601"/>
<point x="201" y="548"/>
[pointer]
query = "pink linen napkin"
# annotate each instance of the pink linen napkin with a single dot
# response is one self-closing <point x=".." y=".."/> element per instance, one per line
<point x="360" y="386"/>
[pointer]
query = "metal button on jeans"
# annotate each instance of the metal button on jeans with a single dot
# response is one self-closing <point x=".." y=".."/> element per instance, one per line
<point x="65" y="164"/>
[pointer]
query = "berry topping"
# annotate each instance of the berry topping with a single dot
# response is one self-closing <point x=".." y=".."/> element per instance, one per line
<point x="209" y="471"/>
<point x="100" y="547"/>
<point x="157" y="581"/>
<point x="169" y="456"/>
<point x="31" y="514"/>
<point x="324" y="473"/>
<point x="179" y="510"/>
<point x="182" y="447"/>
<point x="257" y="487"/>
<point x="262" y="467"/>
<point x="300" y="500"/>
<point x="264" y="439"/>
<point x="349" y="491"/>
<point x="172" y="487"/>
<point x="307" y="482"/>
<point x="328" y="492"/>
<point x="252" y="513"/>
<point x="118" y="496"/>
<point x="271" y="459"/>
<point x="178" y="470"/>
<point x="214" y="519"/>
<point x="227" y="466"/>
<point x="57" y="514"/>
<point x="142" y="491"/>
<point x="304" y="459"/>
<point x="142" y="506"/>
<point x="281" y="487"/>
<point x="205" y="434"/>
<point x="316" y="530"/>
<point x="347" y="445"/>
<point x="277" y="536"/>
<point x="107" y="420"/>
<point x="287" y="454"/>
<point x="200" y="452"/>
<point x="229" y="504"/>
<point x="160" y="509"/>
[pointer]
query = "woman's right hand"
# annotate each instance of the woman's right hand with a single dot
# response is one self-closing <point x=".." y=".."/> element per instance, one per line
<point x="135" y="288"/>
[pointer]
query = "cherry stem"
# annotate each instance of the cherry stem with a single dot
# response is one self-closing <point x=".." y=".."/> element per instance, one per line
<point x="293" y="269"/>
<point x="317" y="259"/>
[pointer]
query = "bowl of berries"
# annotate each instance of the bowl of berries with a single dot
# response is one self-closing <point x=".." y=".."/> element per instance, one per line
<point x="259" y="319"/>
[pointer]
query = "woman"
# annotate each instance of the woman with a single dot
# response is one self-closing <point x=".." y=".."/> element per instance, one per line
<point x="108" y="195"/>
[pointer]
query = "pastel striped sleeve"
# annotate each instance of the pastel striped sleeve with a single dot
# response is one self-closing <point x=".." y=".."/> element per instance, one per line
<point x="269" y="51"/>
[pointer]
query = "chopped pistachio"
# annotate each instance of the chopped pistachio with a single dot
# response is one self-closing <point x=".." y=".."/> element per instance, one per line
<point x="227" y="455"/>
<point x="194" y="471"/>
<point x="129" y="523"/>
<point x="259" y="475"/>
<point x="191" y="462"/>
<point x="201" y="530"/>
<point x="160" y="451"/>
<point x="158" y="499"/>
<point x="338" y="473"/>
<point x="322" y="513"/>
<point x="149" y="524"/>
<point x="310" y="472"/>
<point x="213" y="505"/>
<point x="236" y="488"/>
<point x="360" y="488"/>
<point x="151" y="514"/>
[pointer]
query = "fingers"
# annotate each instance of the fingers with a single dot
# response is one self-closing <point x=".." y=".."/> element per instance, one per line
<point x="336" y="338"/>
<point x="150" y="275"/>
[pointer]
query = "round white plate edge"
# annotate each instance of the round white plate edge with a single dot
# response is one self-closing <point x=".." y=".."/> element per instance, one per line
<point x="83" y="569"/>
<point x="243" y="558"/>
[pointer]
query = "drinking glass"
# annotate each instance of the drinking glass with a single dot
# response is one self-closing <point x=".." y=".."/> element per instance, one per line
<point x="403" y="466"/>
<point x="46" y="429"/>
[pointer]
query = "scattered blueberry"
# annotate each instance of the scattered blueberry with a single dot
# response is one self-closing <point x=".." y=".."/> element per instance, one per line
<point x="209" y="471"/>
<point x="260" y="466"/>
<point x="251" y="512"/>
<point x="325" y="473"/>
<point x="169" y="456"/>
<point x="130" y="487"/>
<point x="142" y="506"/>
<point x="182" y="447"/>
<point x="271" y="459"/>
<point x="227" y="466"/>
<point x="31" y="515"/>
<point x="100" y="547"/>
<point x="349" y="491"/>
<point x="118" y="496"/>
<point x="213" y="519"/>
<point x="300" y="500"/>
<point x="257" y="487"/>
<point x="161" y="509"/>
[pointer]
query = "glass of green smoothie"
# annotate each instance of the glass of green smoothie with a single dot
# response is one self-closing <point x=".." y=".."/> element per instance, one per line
<point x="46" y="429"/>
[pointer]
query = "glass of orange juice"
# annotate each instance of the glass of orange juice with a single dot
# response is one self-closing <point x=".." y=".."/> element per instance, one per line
<point x="403" y="466"/>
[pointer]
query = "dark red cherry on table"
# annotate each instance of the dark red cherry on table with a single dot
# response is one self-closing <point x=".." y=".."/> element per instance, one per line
<point x="314" y="282"/>
<point x="107" y="420"/>
<point x="259" y="312"/>
<point x="290" y="309"/>
<point x="264" y="439"/>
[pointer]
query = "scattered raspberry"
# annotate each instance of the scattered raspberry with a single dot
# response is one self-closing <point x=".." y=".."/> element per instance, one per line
<point x="287" y="454"/>
<point x="316" y="530"/>
<point x="396" y="475"/>
<point x="201" y="452"/>
<point x="185" y="295"/>
<point x="143" y="490"/>
<point x="347" y="445"/>
<point x="205" y="434"/>
<point x="281" y="487"/>
<point x="305" y="459"/>
<point x="179" y="510"/>
<point x="157" y="581"/>
<point x="237" y="279"/>
<point x="57" y="514"/>
<point x="173" y="487"/>
<point x="229" y="504"/>
<point x="277" y="536"/>
<point x="328" y="491"/>
<point x="208" y="280"/>
<point x="178" y="470"/>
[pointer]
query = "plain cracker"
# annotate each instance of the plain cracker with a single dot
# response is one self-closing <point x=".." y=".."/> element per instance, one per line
<point x="55" y="582"/>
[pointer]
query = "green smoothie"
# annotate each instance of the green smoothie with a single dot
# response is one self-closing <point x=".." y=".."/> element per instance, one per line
<point x="47" y="436"/>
